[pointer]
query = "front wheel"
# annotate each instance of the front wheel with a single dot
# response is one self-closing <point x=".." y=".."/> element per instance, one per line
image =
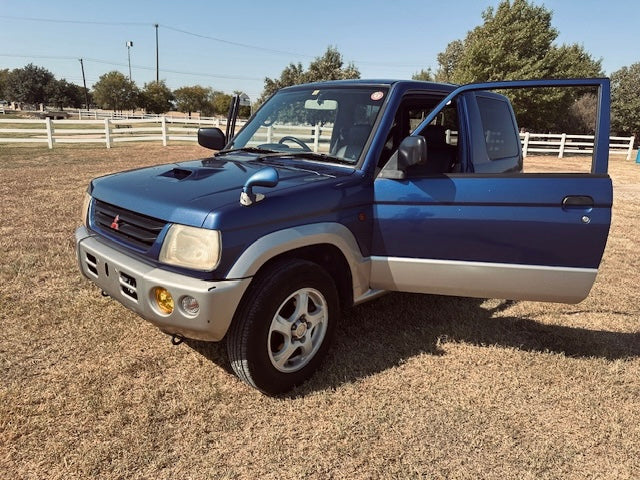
<point x="284" y="326"/>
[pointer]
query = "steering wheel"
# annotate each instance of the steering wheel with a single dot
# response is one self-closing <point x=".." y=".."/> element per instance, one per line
<point x="297" y="141"/>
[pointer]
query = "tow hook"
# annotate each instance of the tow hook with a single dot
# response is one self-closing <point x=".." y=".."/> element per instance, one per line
<point x="176" y="339"/>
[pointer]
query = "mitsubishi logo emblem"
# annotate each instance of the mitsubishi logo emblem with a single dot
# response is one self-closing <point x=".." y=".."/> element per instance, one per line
<point x="114" y="224"/>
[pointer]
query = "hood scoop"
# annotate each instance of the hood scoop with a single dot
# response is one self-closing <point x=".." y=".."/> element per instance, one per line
<point x="177" y="173"/>
<point x="265" y="177"/>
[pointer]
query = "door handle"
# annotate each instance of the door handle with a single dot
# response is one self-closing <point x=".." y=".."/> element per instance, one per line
<point x="577" y="201"/>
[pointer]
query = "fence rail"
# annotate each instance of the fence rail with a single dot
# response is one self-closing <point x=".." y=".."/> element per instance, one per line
<point x="165" y="129"/>
<point x="105" y="131"/>
<point x="101" y="115"/>
<point x="563" y="144"/>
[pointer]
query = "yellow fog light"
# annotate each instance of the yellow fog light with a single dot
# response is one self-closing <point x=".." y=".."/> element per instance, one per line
<point x="164" y="300"/>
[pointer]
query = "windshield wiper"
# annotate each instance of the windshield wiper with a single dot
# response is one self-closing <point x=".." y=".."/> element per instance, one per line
<point x="245" y="149"/>
<point x="325" y="157"/>
<point x="266" y="153"/>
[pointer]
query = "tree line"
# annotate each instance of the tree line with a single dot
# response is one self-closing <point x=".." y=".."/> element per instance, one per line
<point x="34" y="85"/>
<point x="516" y="40"/>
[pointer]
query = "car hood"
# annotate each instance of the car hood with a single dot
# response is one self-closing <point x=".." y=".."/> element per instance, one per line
<point x="187" y="192"/>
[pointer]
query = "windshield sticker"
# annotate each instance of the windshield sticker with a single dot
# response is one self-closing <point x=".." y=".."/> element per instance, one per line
<point x="315" y="92"/>
<point x="377" y="96"/>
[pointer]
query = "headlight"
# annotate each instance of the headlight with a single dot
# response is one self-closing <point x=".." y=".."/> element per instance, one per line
<point x="191" y="247"/>
<point x="86" y="201"/>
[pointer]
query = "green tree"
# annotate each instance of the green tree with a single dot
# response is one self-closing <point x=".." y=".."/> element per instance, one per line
<point x="4" y="77"/>
<point x="30" y="84"/>
<point x="424" y="75"/>
<point x="221" y="102"/>
<point x="64" y="94"/>
<point x="583" y="113"/>
<point x="516" y="42"/>
<point x="156" y="97"/>
<point x="293" y="74"/>
<point x="116" y="92"/>
<point x="329" y="66"/>
<point x="194" y="99"/>
<point x="625" y="101"/>
<point x="448" y="60"/>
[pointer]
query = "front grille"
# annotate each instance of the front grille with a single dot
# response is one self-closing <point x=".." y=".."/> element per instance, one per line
<point x="134" y="228"/>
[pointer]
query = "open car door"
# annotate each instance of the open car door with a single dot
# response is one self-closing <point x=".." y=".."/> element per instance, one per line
<point x="487" y="228"/>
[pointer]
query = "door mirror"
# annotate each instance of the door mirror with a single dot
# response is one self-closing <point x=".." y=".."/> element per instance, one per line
<point x="212" y="138"/>
<point x="265" y="177"/>
<point x="412" y="151"/>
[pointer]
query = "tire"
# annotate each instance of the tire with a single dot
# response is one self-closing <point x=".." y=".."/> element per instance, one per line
<point x="284" y="326"/>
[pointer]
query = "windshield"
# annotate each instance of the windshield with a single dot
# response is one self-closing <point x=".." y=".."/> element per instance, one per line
<point x="332" y="122"/>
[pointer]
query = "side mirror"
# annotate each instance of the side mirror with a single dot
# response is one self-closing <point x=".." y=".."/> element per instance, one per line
<point x="265" y="177"/>
<point x="412" y="150"/>
<point x="212" y="138"/>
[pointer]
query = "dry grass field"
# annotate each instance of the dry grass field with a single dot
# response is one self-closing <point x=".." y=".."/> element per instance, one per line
<point x="417" y="387"/>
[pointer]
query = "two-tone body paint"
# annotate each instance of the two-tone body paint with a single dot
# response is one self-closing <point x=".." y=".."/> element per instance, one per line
<point x="469" y="221"/>
<point x="306" y="194"/>
<point x="527" y="236"/>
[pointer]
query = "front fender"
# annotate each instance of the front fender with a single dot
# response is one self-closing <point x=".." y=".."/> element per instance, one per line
<point x="282" y="241"/>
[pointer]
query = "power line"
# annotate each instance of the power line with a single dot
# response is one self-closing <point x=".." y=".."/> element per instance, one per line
<point x="81" y="22"/>
<point x="207" y="37"/>
<point x="280" y="52"/>
<point x="237" y="44"/>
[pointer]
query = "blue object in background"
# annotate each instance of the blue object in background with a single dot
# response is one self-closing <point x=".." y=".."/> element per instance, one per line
<point x="638" y="156"/>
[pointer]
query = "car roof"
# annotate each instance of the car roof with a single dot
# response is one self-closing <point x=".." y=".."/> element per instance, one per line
<point x="364" y="82"/>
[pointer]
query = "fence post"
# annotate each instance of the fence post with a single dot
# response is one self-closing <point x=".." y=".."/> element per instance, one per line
<point x="525" y="148"/>
<point x="164" y="131"/>
<point x="107" y="132"/>
<point x="563" y="140"/>
<point x="47" y="122"/>
<point x="630" y="151"/>
<point x="316" y="138"/>
<point x="270" y="134"/>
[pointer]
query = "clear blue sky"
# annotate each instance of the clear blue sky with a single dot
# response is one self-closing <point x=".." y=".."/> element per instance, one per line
<point x="385" y="39"/>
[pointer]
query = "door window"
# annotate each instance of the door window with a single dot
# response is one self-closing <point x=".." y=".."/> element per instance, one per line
<point x="500" y="133"/>
<point x="441" y="135"/>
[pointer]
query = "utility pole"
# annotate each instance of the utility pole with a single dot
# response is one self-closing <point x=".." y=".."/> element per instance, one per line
<point x="157" y="56"/>
<point x="84" y="82"/>
<point x="129" y="45"/>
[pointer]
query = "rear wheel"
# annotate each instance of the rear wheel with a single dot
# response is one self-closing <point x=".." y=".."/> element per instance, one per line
<point x="284" y="326"/>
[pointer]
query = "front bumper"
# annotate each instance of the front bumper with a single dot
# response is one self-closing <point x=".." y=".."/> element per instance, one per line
<point x="131" y="282"/>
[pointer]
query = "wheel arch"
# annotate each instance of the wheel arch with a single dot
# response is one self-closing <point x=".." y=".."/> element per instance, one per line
<point x="330" y="245"/>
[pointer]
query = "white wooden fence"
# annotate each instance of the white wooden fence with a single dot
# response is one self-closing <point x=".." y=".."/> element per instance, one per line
<point x="102" y="114"/>
<point x="318" y="139"/>
<point x="564" y="144"/>
<point x="165" y="129"/>
<point x="104" y="131"/>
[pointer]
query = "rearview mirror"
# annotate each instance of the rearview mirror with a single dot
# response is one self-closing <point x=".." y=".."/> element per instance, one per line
<point x="318" y="104"/>
<point x="212" y="138"/>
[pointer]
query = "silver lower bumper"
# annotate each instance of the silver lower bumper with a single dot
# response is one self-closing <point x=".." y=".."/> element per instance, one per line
<point x="131" y="282"/>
